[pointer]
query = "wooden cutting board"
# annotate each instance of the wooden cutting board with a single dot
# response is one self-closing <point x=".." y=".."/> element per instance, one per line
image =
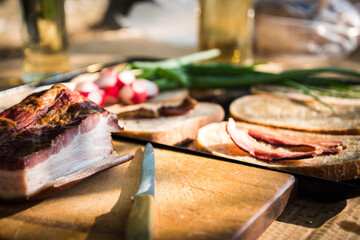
<point x="195" y="198"/>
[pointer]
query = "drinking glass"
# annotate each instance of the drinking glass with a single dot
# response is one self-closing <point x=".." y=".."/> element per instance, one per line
<point x="227" y="25"/>
<point x="44" y="38"/>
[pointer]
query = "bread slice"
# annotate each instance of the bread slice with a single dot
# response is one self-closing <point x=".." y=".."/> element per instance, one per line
<point x="287" y="113"/>
<point x="298" y="95"/>
<point x="175" y="129"/>
<point x="340" y="167"/>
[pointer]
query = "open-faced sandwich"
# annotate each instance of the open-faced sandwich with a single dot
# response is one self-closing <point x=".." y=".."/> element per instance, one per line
<point x="284" y="128"/>
<point x="51" y="140"/>
<point x="167" y="122"/>
<point x="335" y="157"/>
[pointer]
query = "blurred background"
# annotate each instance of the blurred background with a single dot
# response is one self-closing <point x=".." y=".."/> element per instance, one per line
<point x="109" y="20"/>
<point x="322" y="30"/>
<point x="103" y="30"/>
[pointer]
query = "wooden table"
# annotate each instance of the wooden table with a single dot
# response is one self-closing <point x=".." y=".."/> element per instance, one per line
<point x="302" y="218"/>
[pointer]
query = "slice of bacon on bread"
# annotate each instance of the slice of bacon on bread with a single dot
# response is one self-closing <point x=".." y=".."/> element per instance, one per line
<point x="171" y="118"/>
<point x="341" y="166"/>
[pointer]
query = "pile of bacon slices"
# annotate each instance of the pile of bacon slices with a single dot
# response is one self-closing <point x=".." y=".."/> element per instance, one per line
<point x="249" y="141"/>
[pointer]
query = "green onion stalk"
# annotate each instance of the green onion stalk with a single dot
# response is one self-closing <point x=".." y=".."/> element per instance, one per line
<point x="190" y="71"/>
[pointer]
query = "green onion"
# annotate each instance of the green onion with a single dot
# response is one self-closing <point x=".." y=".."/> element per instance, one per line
<point x="343" y="87"/>
<point x="327" y="81"/>
<point x="166" y="84"/>
<point x="147" y="74"/>
<point x="333" y="92"/>
<point x="187" y="72"/>
<point x="308" y="92"/>
<point x="213" y="68"/>
<point x="229" y="81"/>
<point x="175" y="74"/>
<point x="178" y="62"/>
<point x="262" y="77"/>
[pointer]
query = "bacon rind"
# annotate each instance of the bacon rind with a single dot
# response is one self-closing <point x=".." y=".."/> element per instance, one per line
<point x="242" y="139"/>
<point x="326" y="145"/>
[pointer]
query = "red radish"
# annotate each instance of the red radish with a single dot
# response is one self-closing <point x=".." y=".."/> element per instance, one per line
<point x="151" y="88"/>
<point x="97" y="97"/>
<point x="109" y="82"/>
<point x="107" y="78"/>
<point x="92" y="92"/>
<point x="113" y="92"/>
<point x="125" y="78"/>
<point x="133" y="93"/>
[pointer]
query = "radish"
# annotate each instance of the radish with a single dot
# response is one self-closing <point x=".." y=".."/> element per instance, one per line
<point x="92" y="92"/>
<point x="107" y="78"/>
<point x="109" y="81"/>
<point x="133" y="93"/>
<point x="151" y="88"/>
<point x="86" y="87"/>
<point x="112" y="93"/>
<point x="125" y="78"/>
<point x="97" y="97"/>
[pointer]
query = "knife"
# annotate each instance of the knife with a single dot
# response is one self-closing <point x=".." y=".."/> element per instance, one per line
<point x="140" y="222"/>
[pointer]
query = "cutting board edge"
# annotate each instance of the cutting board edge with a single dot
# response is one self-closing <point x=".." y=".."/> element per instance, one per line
<point x="268" y="213"/>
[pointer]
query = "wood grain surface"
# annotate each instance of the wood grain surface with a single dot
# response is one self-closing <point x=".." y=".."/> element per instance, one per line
<point x="195" y="198"/>
<point x="307" y="219"/>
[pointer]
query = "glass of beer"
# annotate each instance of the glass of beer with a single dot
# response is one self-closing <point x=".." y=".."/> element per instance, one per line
<point x="227" y="25"/>
<point x="44" y="38"/>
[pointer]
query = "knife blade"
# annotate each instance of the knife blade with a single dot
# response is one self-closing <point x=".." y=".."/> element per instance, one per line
<point x="140" y="222"/>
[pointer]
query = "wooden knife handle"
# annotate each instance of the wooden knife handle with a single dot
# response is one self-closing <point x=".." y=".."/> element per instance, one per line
<point x="140" y="222"/>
